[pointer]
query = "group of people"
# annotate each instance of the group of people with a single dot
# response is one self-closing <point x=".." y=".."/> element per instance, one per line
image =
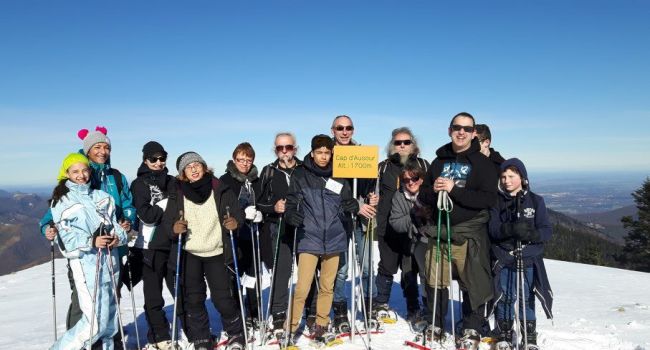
<point x="469" y="215"/>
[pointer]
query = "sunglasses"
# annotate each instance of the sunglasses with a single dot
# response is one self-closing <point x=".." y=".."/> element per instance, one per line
<point x="285" y="148"/>
<point x="402" y="142"/>
<point x="155" y="159"/>
<point x="346" y="128"/>
<point x="410" y="179"/>
<point x="456" y="127"/>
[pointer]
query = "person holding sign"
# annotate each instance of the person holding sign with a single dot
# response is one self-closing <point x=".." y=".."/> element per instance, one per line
<point x="342" y="131"/>
<point x="320" y="208"/>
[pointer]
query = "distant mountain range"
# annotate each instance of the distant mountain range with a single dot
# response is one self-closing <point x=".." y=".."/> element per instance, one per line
<point x="21" y="243"/>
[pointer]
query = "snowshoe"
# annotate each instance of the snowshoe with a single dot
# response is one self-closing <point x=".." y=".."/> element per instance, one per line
<point x="322" y="338"/>
<point x="341" y="323"/>
<point x="417" y="321"/>
<point x="470" y="340"/>
<point x="383" y="313"/>
<point x="503" y="345"/>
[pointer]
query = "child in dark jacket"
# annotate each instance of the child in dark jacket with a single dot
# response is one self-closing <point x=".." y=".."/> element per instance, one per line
<point x="518" y="227"/>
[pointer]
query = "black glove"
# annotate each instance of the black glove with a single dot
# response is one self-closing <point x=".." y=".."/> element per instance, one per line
<point x="294" y="218"/>
<point x="507" y="230"/>
<point x="526" y="232"/>
<point x="350" y="206"/>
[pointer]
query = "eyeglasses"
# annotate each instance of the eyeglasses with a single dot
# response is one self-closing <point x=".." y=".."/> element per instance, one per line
<point x="402" y="142"/>
<point x="285" y="148"/>
<point x="456" y="127"/>
<point x="346" y="128"/>
<point x="194" y="166"/>
<point x="244" y="161"/>
<point x="162" y="159"/>
<point x="413" y="179"/>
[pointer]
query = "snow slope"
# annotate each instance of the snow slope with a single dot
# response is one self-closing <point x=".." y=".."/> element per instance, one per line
<point x="595" y="308"/>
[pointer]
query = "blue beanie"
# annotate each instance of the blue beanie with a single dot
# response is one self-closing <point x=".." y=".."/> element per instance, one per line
<point x="517" y="164"/>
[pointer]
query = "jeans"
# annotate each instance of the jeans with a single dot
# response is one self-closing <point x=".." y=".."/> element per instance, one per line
<point x="505" y="309"/>
<point x="342" y="274"/>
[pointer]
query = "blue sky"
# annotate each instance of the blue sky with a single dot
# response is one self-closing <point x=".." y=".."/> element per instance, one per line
<point x="564" y="85"/>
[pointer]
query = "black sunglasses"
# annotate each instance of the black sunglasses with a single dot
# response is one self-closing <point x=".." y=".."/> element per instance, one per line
<point x="346" y="128"/>
<point x="155" y="159"/>
<point x="410" y="179"/>
<point x="287" y="148"/>
<point x="456" y="127"/>
<point x="402" y="142"/>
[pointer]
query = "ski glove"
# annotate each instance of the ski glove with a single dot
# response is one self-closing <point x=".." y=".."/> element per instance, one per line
<point x="250" y="212"/>
<point x="526" y="232"/>
<point x="294" y="218"/>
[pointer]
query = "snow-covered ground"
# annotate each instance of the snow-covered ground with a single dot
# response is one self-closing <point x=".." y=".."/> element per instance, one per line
<point x="595" y="308"/>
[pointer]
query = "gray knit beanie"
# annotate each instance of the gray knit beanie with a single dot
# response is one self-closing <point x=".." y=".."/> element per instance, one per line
<point x="186" y="158"/>
<point x="90" y="138"/>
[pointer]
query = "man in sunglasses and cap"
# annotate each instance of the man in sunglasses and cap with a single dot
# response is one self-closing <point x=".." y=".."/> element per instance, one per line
<point x="394" y="247"/>
<point x="464" y="179"/>
<point x="342" y="131"/>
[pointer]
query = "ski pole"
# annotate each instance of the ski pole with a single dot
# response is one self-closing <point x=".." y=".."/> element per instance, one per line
<point x="521" y="297"/>
<point x="451" y="289"/>
<point x="117" y="301"/>
<point x="177" y="284"/>
<point x="287" y="334"/>
<point x="135" y="317"/>
<point x="239" y="291"/>
<point x="98" y="270"/>
<point x="436" y="276"/>
<point x="257" y="262"/>
<point x="276" y="253"/>
<point x="53" y="286"/>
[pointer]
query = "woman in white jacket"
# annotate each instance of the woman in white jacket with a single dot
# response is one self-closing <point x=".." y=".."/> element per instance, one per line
<point x="88" y="233"/>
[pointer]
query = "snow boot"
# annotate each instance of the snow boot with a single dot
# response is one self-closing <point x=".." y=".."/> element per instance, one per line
<point x="531" y="334"/>
<point x="341" y="322"/>
<point x="382" y="312"/>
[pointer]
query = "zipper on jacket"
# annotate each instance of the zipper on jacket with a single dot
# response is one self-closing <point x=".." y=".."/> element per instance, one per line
<point x="322" y="197"/>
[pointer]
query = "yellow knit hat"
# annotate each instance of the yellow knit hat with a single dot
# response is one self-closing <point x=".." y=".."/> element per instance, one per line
<point x="71" y="159"/>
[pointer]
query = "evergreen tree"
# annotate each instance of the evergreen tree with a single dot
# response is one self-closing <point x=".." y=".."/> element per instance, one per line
<point x="637" y="242"/>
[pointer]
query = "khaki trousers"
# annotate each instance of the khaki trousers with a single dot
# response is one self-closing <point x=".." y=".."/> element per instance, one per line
<point x="458" y="255"/>
<point x="306" y="270"/>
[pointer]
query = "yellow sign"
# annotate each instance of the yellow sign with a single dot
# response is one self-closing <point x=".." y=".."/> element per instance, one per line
<point x="356" y="162"/>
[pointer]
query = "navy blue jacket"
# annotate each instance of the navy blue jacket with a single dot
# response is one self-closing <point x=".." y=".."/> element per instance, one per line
<point x="327" y="215"/>
<point x="533" y="210"/>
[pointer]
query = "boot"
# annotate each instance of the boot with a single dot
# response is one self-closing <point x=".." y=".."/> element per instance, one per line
<point x="384" y="284"/>
<point x="504" y="330"/>
<point x="278" y="320"/>
<point x="236" y="342"/>
<point x="531" y="332"/>
<point x="341" y="322"/>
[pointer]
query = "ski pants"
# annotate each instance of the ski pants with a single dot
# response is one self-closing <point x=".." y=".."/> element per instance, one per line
<point x="195" y="272"/>
<point x="394" y="254"/>
<point x="156" y="268"/>
<point x="306" y="269"/>
<point x="505" y="309"/>
<point x="342" y="274"/>
<point x="106" y="323"/>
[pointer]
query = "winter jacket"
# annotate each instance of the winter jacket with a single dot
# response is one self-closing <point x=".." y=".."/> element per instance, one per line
<point x="389" y="173"/>
<point x="327" y="220"/>
<point x="150" y="191"/>
<point x="532" y="210"/>
<point x="475" y="180"/>
<point x="274" y="183"/>
<point x="102" y="178"/>
<point x="225" y="199"/>
<point x="496" y="159"/>
<point x="400" y="215"/>
<point x="247" y="190"/>
<point x="77" y="216"/>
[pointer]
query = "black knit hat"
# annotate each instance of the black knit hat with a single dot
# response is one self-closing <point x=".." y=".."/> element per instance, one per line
<point x="152" y="148"/>
<point x="321" y="140"/>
